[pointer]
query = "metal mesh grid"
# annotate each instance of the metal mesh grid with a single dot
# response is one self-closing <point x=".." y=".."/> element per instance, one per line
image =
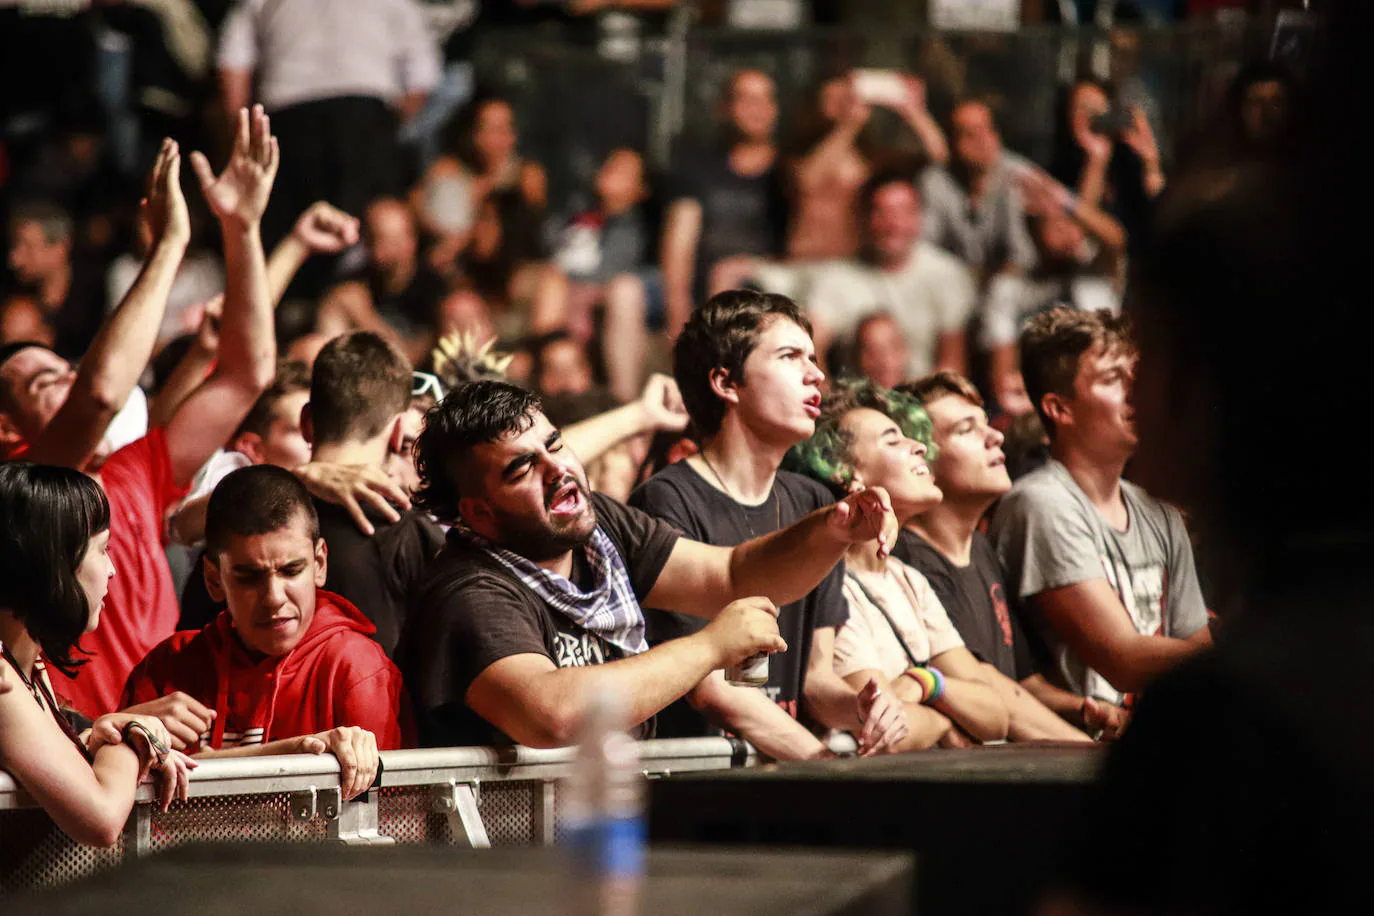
<point x="407" y="815"/>
<point x="507" y="812"/>
<point x="234" y="819"/>
<point x="35" y="854"/>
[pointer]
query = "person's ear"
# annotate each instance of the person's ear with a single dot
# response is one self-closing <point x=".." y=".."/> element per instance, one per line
<point x="724" y="386"/>
<point x="321" y="562"/>
<point x="9" y="431"/>
<point x="396" y="436"/>
<point x="213" y="584"/>
<point x="308" y="424"/>
<point x="1056" y="409"/>
<point x="477" y="515"/>
<point x="250" y="446"/>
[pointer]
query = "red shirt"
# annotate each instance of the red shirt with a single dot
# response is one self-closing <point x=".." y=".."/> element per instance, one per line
<point x="141" y="607"/>
<point x="337" y="675"/>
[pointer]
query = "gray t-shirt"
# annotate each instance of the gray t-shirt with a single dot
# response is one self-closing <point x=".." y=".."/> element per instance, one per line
<point x="1048" y="535"/>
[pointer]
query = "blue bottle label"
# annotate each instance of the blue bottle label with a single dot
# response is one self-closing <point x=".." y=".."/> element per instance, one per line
<point x="608" y="847"/>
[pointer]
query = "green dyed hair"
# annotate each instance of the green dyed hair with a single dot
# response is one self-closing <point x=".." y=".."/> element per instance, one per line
<point x="826" y="455"/>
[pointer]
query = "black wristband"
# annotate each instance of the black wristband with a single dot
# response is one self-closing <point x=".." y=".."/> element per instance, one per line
<point x="159" y="750"/>
<point x="377" y="780"/>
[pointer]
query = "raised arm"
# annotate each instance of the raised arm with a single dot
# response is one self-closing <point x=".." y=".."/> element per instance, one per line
<point x="784" y="565"/>
<point x="681" y="234"/>
<point x="321" y="229"/>
<point x="659" y="408"/>
<point x="247" y="347"/>
<point x="121" y="349"/>
<point x="1097" y="627"/>
<point x="540" y="705"/>
<point x="830" y="152"/>
<point x="917" y="116"/>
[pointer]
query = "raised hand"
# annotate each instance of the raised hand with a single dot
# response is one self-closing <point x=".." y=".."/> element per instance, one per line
<point x="325" y="229"/>
<point x="1140" y="138"/>
<point x="865" y="515"/>
<point x="239" y="195"/>
<point x="661" y="402"/>
<point x="163" y="207"/>
<point x="883" y="718"/>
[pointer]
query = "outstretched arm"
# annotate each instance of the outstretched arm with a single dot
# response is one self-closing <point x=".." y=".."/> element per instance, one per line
<point x="121" y="349"/>
<point x="699" y="579"/>
<point x="247" y="348"/>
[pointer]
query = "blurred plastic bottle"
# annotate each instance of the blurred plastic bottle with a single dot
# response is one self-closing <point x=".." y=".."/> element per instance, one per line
<point x="603" y="814"/>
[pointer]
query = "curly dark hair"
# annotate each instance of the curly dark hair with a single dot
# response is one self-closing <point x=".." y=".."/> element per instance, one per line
<point x="472" y="414"/>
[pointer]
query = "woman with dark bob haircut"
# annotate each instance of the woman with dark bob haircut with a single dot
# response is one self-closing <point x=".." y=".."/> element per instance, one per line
<point x="54" y="572"/>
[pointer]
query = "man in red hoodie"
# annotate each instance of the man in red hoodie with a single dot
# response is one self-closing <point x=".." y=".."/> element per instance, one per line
<point x="288" y="668"/>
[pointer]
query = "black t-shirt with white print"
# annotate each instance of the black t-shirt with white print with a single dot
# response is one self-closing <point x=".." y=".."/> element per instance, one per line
<point x="471" y="612"/>
<point x="975" y="597"/>
<point x="684" y="499"/>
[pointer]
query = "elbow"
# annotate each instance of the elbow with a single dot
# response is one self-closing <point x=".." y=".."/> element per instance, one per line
<point x="102" y="832"/>
<point x="553" y="729"/>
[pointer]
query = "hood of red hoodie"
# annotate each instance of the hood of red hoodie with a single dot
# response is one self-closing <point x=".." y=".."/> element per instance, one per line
<point x="333" y="615"/>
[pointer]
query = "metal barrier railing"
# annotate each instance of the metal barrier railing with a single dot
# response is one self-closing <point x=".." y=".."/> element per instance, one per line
<point x="451" y="796"/>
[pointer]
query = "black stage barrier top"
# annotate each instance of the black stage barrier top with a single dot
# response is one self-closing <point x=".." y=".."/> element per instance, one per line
<point x="304" y="880"/>
<point x="985" y="824"/>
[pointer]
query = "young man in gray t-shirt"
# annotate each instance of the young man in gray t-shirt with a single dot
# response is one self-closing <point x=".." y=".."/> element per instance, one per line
<point x="1103" y="571"/>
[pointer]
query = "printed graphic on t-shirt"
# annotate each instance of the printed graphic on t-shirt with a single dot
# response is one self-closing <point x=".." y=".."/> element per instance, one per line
<point x="1142" y="592"/>
<point x="999" y="607"/>
<point x="579" y="648"/>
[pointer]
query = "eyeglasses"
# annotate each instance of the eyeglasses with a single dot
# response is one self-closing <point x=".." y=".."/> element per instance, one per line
<point x="422" y="383"/>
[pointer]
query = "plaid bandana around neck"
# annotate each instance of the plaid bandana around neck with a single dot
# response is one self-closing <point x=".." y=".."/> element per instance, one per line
<point x="610" y="609"/>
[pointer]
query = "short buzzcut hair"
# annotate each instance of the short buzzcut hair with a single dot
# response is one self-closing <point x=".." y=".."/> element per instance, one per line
<point x="721" y="335"/>
<point x="1052" y="344"/>
<point x="471" y="415"/>
<point x="52" y="220"/>
<point x="826" y="456"/>
<point x="256" y="500"/>
<point x="359" y="383"/>
<point x="292" y="376"/>
<point x="941" y="384"/>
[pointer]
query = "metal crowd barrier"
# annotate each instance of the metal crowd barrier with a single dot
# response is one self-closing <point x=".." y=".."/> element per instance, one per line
<point x="469" y="796"/>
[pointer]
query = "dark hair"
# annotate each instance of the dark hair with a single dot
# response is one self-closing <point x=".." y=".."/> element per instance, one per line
<point x="358" y="384"/>
<point x="940" y="384"/>
<point x="721" y="335"/>
<point x="292" y="376"/>
<point x="896" y="173"/>
<point x="473" y="414"/>
<point x="256" y="500"/>
<point x="826" y="455"/>
<point x="462" y="130"/>
<point x="54" y="222"/>
<point x="537" y="348"/>
<point x="1052" y="344"/>
<point x="48" y="516"/>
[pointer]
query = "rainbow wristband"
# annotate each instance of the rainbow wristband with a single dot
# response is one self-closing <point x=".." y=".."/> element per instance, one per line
<point x="939" y="684"/>
<point x="924" y="677"/>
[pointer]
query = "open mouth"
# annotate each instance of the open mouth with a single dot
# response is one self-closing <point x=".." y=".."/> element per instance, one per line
<point x="812" y="406"/>
<point x="567" y="499"/>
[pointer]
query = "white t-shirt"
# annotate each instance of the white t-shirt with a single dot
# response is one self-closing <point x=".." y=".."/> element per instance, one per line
<point x="1013" y="300"/>
<point x="868" y="642"/>
<point x="933" y="294"/>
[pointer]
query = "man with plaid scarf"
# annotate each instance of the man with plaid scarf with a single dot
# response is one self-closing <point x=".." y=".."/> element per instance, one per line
<point x="535" y="602"/>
